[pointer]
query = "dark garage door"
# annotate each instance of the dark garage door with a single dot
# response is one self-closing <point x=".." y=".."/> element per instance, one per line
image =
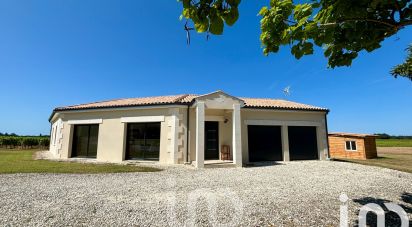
<point x="265" y="143"/>
<point x="302" y="143"/>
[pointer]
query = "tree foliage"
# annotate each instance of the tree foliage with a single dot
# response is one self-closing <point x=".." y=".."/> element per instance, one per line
<point x="404" y="69"/>
<point x="211" y="15"/>
<point x="343" y="28"/>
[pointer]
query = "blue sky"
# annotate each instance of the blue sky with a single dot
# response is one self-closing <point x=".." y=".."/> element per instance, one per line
<point x="56" y="53"/>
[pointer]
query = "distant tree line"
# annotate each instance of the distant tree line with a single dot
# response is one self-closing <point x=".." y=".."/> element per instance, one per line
<point x="7" y="134"/>
<point x="387" y="136"/>
<point x="13" y="141"/>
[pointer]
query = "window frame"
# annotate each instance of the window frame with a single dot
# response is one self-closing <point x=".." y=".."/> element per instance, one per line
<point x="145" y="125"/>
<point x="351" y="143"/>
<point x="74" y="152"/>
<point x="54" y="135"/>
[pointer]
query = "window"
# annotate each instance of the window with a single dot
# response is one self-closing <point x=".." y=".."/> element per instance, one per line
<point x="55" y="135"/>
<point x="85" y="141"/>
<point x="52" y="135"/>
<point x="143" y="141"/>
<point x="351" y="146"/>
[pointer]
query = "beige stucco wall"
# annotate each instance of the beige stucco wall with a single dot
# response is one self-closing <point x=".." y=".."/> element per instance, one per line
<point x="218" y="101"/>
<point x="112" y="132"/>
<point x="56" y="137"/>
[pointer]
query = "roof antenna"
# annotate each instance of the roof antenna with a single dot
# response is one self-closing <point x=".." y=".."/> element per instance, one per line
<point x="187" y="29"/>
<point x="287" y="91"/>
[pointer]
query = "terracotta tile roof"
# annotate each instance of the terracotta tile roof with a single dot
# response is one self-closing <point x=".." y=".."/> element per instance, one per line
<point x="278" y="104"/>
<point x="156" y="100"/>
<point x="188" y="98"/>
<point x="346" y="134"/>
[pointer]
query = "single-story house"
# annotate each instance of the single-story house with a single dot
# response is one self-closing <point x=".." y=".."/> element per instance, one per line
<point x="352" y="146"/>
<point x="188" y="128"/>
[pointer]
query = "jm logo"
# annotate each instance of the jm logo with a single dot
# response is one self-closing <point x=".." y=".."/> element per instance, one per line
<point x="211" y="197"/>
<point x="371" y="207"/>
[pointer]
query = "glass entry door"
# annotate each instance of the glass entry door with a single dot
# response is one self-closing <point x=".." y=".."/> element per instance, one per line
<point x="211" y="140"/>
<point x="85" y="138"/>
<point x="143" y="141"/>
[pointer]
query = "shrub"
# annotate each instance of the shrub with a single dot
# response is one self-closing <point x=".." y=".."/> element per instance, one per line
<point x="4" y="142"/>
<point x="24" y="141"/>
<point x="30" y="142"/>
<point x="44" y="142"/>
<point x="10" y="142"/>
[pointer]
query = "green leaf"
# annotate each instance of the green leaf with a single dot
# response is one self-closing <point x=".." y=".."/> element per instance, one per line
<point x="186" y="3"/>
<point x="201" y="25"/>
<point x="233" y="3"/>
<point x="231" y="16"/>
<point x="263" y="11"/>
<point x="216" y="25"/>
<point x="404" y="69"/>
<point x="307" y="48"/>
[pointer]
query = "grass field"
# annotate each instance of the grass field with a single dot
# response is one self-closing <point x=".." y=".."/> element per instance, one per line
<point x="390" y="157"/>
<point x="394" y="142"/>
<point x="21" y="161"/>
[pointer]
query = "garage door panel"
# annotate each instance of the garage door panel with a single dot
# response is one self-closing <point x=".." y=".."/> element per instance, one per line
<point x="265" y="143"/>
<point x="303" y="143"/>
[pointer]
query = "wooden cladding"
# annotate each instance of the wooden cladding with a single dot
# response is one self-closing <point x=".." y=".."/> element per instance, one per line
<point x="365" y="147"/>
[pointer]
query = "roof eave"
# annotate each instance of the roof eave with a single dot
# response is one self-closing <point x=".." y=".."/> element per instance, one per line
<point x="62" y="109"/>
<point x="287" y="108"/>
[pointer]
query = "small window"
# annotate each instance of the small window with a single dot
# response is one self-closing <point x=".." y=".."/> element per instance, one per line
<point x="55" y="135"/>
<point x="52" y="134"/>
<point x="351" y="146"/>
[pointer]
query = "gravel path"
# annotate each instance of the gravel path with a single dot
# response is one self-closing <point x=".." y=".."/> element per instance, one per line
<point x="288" y="194"/>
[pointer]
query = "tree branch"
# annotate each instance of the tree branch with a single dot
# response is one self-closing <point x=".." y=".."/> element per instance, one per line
<point x="406" y="23"/>
<point x="395" y="26"/>
<point x="362" y="19"/>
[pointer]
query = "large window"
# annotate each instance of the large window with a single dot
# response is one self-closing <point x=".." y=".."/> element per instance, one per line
<point x="85" y="141"/>
<point x="143" y="141"/>
<point x="351" y="146"/>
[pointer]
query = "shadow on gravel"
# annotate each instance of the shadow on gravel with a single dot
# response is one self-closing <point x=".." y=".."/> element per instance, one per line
<point x="391" y="218"/>
<point x="407" y="198"/>
<point x="262" y="164"/>
<point x="354" y="160"/>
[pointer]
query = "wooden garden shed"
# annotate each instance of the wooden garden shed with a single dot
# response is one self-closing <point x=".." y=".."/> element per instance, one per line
<point x="352" y="146"/>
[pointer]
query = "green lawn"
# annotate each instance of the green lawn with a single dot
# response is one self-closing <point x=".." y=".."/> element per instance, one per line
<point x="394" y="142"/>
<point x="21" y="161"/>
<point x="401" y="162"/>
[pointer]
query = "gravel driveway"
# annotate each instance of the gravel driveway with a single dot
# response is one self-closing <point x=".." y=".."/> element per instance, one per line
<point x="288" y="194"/>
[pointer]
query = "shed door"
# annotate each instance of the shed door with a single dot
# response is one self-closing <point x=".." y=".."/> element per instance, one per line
<point x="265" y="143"/>
<point x="303" y="143"/>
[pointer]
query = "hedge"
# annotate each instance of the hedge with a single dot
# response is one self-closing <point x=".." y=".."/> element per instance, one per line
<point x="24" y="142"/>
